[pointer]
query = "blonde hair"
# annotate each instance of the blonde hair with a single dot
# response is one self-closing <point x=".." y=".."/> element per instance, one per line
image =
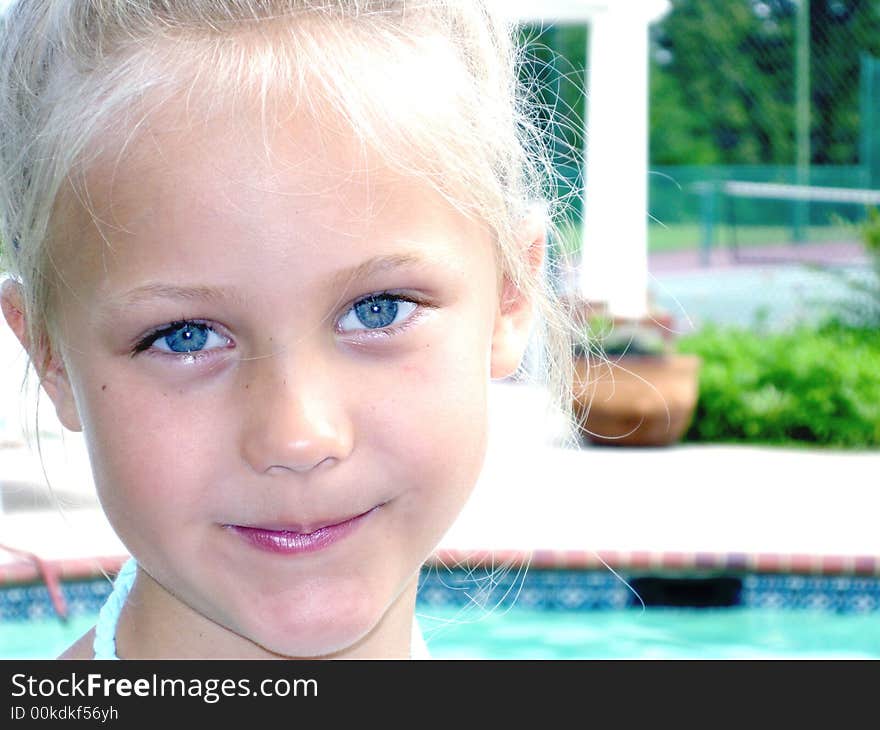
<point x="74" y="72"/>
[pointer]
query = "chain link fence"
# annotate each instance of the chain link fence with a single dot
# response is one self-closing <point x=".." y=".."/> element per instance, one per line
<point x="782" y="92"/>
<point x="779" y="93"/>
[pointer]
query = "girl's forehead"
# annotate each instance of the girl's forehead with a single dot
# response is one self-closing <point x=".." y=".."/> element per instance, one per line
<point x="232" y="196"/>
<point x="245" y="149"/>
<point x="363" y="110"/>
<point x="238" y="164"/>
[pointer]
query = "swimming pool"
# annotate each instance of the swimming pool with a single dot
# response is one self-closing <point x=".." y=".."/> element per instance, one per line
<point x="582" y="614"/>
<point x="566" y="614"/>
<point x="522" y="633"/>
<point x="728" y="633"/>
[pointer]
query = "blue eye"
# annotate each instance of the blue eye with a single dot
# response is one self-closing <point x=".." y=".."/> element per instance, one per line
<point x="183" y="338"/>
<point x="377" y="311"/>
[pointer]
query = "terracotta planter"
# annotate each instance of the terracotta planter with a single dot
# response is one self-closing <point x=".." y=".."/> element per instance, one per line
<point x="636" y="400"/>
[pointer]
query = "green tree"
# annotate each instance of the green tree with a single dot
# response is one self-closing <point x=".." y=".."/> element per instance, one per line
<point x="722" y="83"/>
<point x="840" y="32"/>
<point x="723" y="80"/>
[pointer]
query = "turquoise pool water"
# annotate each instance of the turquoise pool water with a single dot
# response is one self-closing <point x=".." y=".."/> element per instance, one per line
<point x="659" y="633"/>
<point x="522" y="633"/>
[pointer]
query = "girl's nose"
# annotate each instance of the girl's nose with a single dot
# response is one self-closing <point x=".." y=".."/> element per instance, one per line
<point x="294" y="423"/>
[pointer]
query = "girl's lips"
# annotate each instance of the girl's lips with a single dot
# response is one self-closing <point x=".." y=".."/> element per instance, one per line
<point x="290" y="542"/>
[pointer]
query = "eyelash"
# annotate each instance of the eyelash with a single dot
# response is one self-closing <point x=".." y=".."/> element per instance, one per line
<point x="145" y="343"/>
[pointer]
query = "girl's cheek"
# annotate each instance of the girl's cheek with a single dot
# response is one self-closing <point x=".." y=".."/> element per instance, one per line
<point x="413" y="371"/>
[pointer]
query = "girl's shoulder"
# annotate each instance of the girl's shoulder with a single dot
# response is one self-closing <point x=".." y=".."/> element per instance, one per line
<point x="82" y="648"/>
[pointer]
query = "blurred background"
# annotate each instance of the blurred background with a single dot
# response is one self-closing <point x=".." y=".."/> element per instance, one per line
<point x="733" y="515"/>
<point x="763" y="181"/>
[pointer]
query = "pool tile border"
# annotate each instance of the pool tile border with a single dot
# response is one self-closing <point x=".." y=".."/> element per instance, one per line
<point x="555" y="580"/>
<point x="20" y="571"/>
<point x="772" y="563"/>
<point x="69" y="569"/>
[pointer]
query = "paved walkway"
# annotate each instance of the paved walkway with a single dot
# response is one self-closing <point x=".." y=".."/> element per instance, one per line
<point x="778" y="285"/>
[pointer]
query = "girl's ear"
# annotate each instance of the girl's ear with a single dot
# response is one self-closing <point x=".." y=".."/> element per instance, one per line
<point x="54" y="377"/>
<point x="515" y="314"/>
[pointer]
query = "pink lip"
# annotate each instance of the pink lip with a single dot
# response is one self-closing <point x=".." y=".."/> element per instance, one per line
<point x="291" y="542"/>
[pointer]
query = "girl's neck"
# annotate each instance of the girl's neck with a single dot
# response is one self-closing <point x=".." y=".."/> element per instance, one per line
<point x="154" y="624"/>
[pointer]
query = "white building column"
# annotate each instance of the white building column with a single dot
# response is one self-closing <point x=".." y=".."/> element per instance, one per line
<point x="614" y="260"/>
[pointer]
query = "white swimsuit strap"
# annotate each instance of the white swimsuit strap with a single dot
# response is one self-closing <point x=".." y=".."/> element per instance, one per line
<point x="105" y="630"/>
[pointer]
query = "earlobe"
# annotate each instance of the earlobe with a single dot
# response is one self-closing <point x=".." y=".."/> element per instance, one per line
<point x="57" y="386"/>
<point x="508" y="348"/>
<point x="53" y="377"/>
<point x="515" y="314"/>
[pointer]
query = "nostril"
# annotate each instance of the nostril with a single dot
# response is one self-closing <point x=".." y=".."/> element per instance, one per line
<point x="299" y="468"/>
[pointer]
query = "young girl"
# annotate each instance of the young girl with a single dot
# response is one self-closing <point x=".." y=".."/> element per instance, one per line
<point x="267" y="255"/>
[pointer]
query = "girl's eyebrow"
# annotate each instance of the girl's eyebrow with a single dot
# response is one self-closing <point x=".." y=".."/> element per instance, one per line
<point x="169" y="291"/>
<point x="148" y="292"/>
<point x="375" y="265"/>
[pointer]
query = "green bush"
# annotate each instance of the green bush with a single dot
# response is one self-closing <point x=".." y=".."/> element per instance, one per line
<point x="860" y="307"/>
<point x="810" y="386"/>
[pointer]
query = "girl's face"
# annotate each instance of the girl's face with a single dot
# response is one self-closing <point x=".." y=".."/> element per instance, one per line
<point x="280" y="362"/>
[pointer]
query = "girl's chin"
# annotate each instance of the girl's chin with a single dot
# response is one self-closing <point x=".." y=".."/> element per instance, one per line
<point x="331" y="619"/>
<point x="331" y="635"/>
<point x="330" y="645"/>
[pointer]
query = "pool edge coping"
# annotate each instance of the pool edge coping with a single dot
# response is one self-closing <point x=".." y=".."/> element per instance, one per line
<point x="22" y="571"/>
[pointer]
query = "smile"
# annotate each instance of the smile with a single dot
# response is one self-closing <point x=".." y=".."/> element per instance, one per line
<point x="293" y="542"/>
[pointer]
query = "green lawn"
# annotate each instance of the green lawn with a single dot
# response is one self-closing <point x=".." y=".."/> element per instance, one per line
<point x="690" y="235"/>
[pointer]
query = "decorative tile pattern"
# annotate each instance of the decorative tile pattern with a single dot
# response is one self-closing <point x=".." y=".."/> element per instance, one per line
<point x="26" y="602"/>
<point x="842" y="594"/>
<point x="553" y="580"/>
<point x="539" y="589"/>
<point x="572" y="590"/>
